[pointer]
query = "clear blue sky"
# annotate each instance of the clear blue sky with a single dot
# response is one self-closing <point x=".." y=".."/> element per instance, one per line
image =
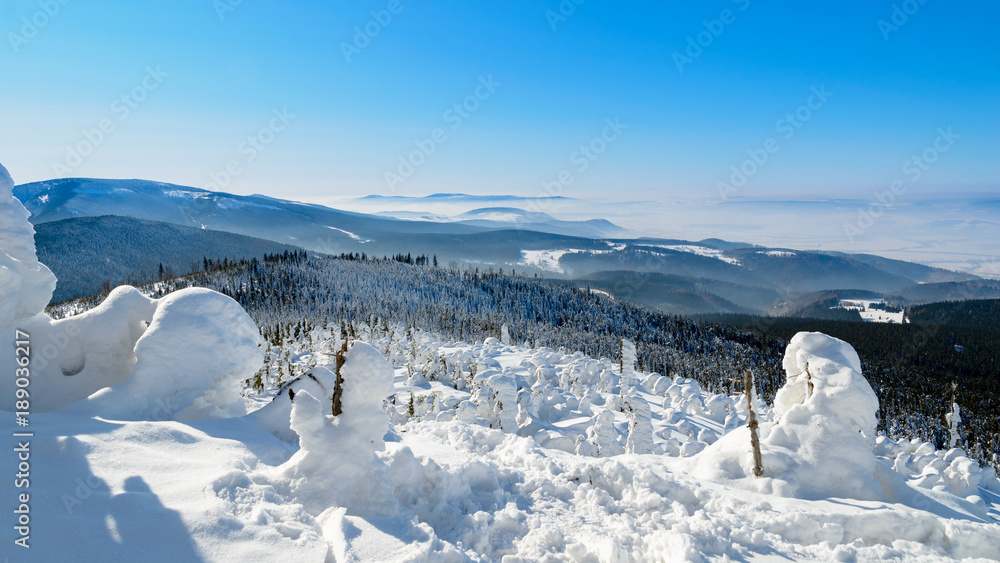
<point x="226" y="76"/>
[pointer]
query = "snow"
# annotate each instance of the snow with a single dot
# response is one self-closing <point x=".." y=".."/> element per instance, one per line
<point x="437" y="487"/>
<point x="201" y="382"/>
<point x="700" y="251"/>
<point x="549" y="259"/>
<point x="545" y="259"/>
<point x="777" y="253"/>
<point x="26" y="285"/>
<point x="447" y="451"/>
<point x="350" y="234"/>
<point x="868" y="313"/>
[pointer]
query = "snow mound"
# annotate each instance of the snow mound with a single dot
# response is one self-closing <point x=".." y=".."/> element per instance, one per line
<point x="336" y="465"/>
<point x="276" y="416"/>
<point x="182" y="356"/>
<point x="824" y="377"/>
<point x="26" y="285"/>
<point x="820" y="443"/>
<point x="219" y="349"/>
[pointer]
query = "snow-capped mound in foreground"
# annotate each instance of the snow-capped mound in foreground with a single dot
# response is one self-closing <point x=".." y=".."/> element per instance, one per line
<point x="191" y="362"/>
<point x="182" y="356"/>
<point x="26" y="285"/>
<point x="818" y="445"/>
<point x="821" y="443"/>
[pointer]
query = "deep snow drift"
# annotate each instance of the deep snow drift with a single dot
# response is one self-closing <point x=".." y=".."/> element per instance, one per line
<point x="444" y="451"/>
<point x="182" y="356"/>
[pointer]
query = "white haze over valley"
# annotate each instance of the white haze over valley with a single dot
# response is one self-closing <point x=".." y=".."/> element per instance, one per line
<point x="956" y="232"/>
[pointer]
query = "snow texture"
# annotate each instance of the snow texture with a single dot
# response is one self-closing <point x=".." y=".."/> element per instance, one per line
<point x="182" y="356"/>
<point x="26" y="285"/>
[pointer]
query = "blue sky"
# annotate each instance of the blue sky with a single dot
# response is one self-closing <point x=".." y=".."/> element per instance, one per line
<point x="216" y="76"/>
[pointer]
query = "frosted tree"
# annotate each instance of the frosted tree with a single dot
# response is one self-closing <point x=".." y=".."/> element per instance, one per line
<point x="505" y="334"/>
<point x="954" y="419"/>
<point x="504" y="411"/>
<point x="640" y="426"/>
<point x="626" y="364"/>
<point x="603" y="436"/>
<point x="525" y="407"/>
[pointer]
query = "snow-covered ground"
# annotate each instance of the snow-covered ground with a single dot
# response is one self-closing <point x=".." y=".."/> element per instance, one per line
<point x="529" y="459"/>
<point x="135" y="442"/>
<point x="545" y="259"/>
<point x="350" y="234"/>
<point x="864" y="307"/>
<point x="700" y="251"/>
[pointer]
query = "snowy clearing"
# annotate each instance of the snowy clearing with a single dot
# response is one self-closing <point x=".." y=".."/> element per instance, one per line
<point x="350" y="234"/>
<point x="700" y="251"/>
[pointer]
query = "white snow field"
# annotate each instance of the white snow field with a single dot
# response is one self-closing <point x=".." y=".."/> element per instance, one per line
<point x="140" y="448"/>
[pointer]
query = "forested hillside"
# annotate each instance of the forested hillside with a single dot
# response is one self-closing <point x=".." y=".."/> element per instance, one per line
<point x="90" y="253"/>
<point x="978" y="313"/>
<point x="910" y="367"/>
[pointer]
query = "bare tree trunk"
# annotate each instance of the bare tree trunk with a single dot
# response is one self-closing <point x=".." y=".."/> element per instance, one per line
<point x="754" y="440"/>
<point x="338" y="387"/>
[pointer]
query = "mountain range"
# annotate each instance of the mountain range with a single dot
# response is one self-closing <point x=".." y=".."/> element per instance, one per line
<point x="680" y="276"/>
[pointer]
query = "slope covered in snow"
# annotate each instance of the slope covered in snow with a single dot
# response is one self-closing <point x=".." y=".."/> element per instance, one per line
<point x="525" y="459"/>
